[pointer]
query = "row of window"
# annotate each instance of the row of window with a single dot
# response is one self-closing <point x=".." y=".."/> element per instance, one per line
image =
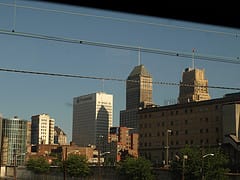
<point x="149" y="125"/>
<point x="176" y="112"/>
<point x="176" y="132"/>
<point x="187" y="142"/>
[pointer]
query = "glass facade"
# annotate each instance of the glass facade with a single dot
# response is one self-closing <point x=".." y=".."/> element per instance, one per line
<point x="15" y="134"/>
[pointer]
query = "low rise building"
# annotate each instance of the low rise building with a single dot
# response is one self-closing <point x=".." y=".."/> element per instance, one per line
<point x="164" y="130"/>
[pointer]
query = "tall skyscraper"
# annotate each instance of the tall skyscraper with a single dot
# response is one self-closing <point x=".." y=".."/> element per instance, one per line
<point x="193" y="86"/>
<point x="14" y="141"/>
<point x="138" y="94"/>
<point x="92" y="118"/>
<point x="42" y="129"/>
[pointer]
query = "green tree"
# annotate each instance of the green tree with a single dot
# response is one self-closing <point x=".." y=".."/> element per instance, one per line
<point x="216" y="166"/>
<point x="76" y="166"/>
<point x="57" y="160"/>
<point x="136" y="169"/>
<point x="213" y="166"/>
<point x="38" y="165"/>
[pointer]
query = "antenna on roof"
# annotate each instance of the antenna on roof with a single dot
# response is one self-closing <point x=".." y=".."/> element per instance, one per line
<point x="193" y="51"/>
<point x="139" y="56"/>
<point x="14" y="16"/>
<point x="102" y="85"/>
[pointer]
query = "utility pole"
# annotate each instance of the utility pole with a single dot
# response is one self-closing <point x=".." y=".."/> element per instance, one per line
<point x="15" y="163"/>
<point x="64" y="165"/>
<point x="99" y="164"/>
<point x="99" y="159"/>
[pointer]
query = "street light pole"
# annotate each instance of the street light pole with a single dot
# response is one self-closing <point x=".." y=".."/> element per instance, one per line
<point x="204" y="156"/>
<point x="167" y="147"/>
<point x="183" y="166"/>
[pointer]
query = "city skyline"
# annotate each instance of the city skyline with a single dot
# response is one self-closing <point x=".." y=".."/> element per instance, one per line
<point x="25" y="95"/>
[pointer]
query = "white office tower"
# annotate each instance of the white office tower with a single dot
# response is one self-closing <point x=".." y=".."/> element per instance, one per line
<point x="92" y="118"/>
<point x="42" y="129"/>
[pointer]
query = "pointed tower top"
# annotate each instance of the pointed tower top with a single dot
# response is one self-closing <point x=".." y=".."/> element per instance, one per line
<point x="140" y="70"/>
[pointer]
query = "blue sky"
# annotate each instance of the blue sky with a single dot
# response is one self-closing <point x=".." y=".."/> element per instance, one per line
<point x="25" y="95"/>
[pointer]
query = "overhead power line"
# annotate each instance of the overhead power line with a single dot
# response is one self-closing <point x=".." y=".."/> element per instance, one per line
<point x="124" y="47"/>
<point x="109" y="79"/>
<point x="122" y="20"/>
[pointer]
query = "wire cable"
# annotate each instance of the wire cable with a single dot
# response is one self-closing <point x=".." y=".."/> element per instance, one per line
<point x="124" y="20"/>
<point x="124" y="47"/>
<point x="110" y="79"/>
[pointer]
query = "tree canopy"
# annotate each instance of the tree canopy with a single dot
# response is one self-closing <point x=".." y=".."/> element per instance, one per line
<point x="76" y="166"/>
<point x="199" y="163"/>
<point x="136" y="169"/>
<point x="38" y="165"/>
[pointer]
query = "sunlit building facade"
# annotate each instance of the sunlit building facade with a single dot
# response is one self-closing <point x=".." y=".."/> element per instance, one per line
<point x="42" y="129"/>
<point x="92" y="118"/>
<point x="59" y="136"/>
<point x="194" y="86"/>
<point x="138" y="94"/>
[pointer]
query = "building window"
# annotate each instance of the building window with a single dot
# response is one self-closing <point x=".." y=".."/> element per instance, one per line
<point x="216" y="129"/>
<point x="171" y="123"/>
<point x="186" y="131"/>
<point x="162" y="123"/>
<point x="162" y="133"/>
<point x="186" y="121"/>
<point x="176" y="132"/>
<point x="201" y="130"/>
<point x="207" y="130"/>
